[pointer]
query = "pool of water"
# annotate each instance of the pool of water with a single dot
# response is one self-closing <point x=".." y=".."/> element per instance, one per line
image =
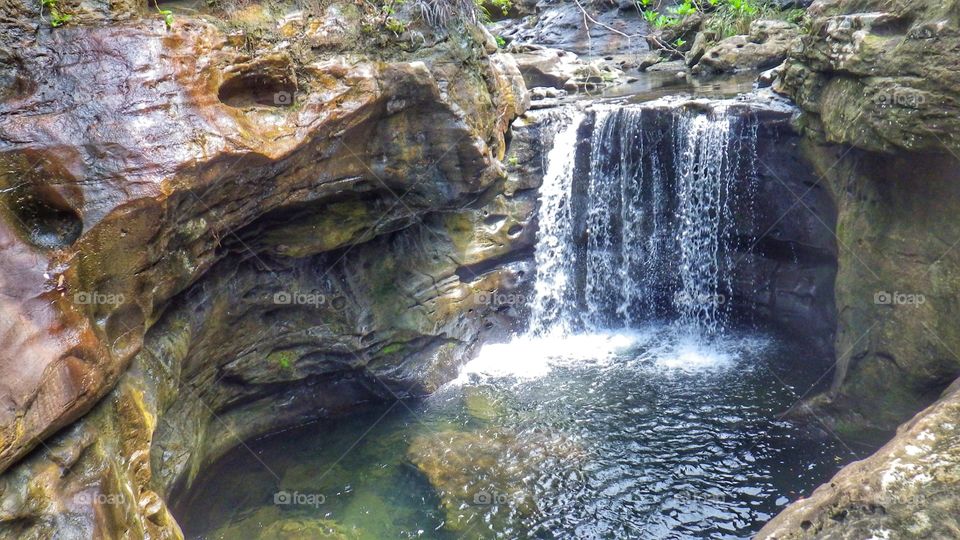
<point x="640" y="434"/>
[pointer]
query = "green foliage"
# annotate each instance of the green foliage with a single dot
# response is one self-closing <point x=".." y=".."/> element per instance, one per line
<point x="679" y="42"/>
<point x="57" y="17"/>
<point x="743" y="8"/>
<point x="395" y="25"/>
<point x="503" y="5"/>
<point x="393" y="348"/>
<point x="659" y="20"/>
<point x="685" y="8"/>
<point x="501" y="43"/>
<point x="726" y="17"/>
<point x="283" y="359"/>
<point x="166" y="14"/>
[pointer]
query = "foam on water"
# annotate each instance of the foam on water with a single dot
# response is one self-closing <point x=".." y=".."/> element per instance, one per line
<point x="531" y="357"/>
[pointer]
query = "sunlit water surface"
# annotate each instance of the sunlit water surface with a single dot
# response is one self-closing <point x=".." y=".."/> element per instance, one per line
<point x="641" y="434"/>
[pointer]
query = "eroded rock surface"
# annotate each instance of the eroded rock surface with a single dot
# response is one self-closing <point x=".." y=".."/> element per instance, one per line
<point x="764" y="47"/>
<point x="244" y="222"/>
<point x="880" y="78"/>
<point x="880" y="75"/>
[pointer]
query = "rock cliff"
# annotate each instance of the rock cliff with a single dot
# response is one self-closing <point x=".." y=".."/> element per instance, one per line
<point x="878" y="82"/>
<point x="259" y="216"/>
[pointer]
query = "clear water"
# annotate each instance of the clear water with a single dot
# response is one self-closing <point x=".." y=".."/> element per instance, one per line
<point x="644" y="434"/>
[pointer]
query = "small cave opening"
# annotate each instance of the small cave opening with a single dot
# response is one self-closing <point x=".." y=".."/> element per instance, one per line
<point x="258" y="89"/>
<point x="47" y="219"/>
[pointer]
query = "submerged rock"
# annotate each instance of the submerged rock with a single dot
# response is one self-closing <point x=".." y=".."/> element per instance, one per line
<point x="270" y="523"/>
<point x="489" y="479"/>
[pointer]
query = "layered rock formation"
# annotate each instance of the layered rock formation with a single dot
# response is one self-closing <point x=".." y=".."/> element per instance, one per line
<point x="258" y="217"/>
<point x="879" y="79"/>
<point x="878" y="83"/>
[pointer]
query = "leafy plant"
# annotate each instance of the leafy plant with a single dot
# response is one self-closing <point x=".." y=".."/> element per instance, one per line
<point x="503" y="5"/>
<point x="166" y="13"/>
<point x="679" y="42"/>
<point x="395" y="25"/>
<point x="57" y="17"/>
<point x="686" y="8"/>
<point x="501" y="43"/>
<point x="743" y="7"/>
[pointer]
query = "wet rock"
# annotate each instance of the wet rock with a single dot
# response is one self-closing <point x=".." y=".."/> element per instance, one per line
<point x="895" y="102"/>
<point x="546" y="67"/>
<point x="879" y="75"/>
<point x="614" y="31"/>
<point x="209" y="233"/>
<point x="554" y="68"/>
<point x="269" y="523"/>
<point x="765" y="46"/>
<point x="907" y="489"/>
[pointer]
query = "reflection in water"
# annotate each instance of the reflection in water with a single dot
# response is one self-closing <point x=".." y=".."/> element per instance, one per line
<point x="640" y="434"/>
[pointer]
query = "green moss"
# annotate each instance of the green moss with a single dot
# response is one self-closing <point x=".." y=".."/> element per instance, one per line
<point x="394" y="348"/>
<point x="283" y="359"/>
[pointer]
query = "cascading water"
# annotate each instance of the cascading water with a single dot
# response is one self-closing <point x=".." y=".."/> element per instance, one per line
<point x="554" y="252"/>
<point x="657" y="216"/>
<point x="704" y="177"/>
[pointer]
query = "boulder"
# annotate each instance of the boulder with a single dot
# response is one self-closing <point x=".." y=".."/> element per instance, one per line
<point x="541" y="66"/>
<point x="608" y="30"/>
<point x="766" y="46"/>
<point x="907" y="489"/>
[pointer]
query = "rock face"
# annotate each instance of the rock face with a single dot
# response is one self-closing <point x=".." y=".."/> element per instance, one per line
<point x="235" y="225"/>
<point x="881" y="79"/>
<point x="764" y="47"/>
<point x="908" y="489"/>
<point x="880" y="75"/>
<point x="615" y="29"/>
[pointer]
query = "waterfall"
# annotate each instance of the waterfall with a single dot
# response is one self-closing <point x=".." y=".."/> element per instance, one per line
<point x="704" y="177"/>
<point x="653" y="234"/>
<point x="553" y="293"/>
